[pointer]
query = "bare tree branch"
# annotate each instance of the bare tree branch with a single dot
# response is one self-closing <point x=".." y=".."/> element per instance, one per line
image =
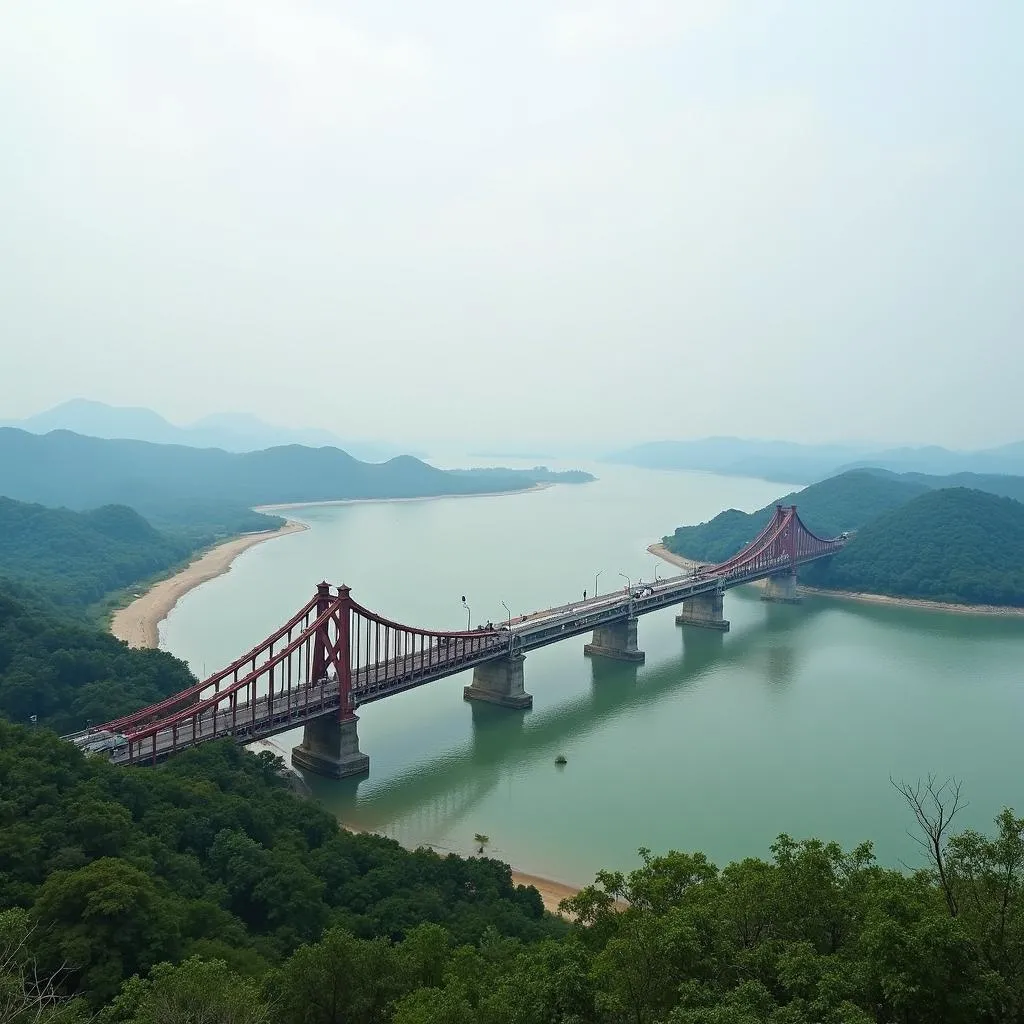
<point x="934" y="807"/>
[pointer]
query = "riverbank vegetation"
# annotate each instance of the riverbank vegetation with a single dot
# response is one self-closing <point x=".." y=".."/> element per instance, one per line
<point x="954" y="545"/>
<point x="65" y="671"/>
<point x="911" y="537"/>
<point x="845" y="502"/>
<point x="204" y="890"/>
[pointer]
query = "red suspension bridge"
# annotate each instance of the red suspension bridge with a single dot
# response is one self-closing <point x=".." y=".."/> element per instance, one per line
<point x="334" y="655"/>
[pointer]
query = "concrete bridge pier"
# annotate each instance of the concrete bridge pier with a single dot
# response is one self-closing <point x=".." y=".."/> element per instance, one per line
<point x="705" y="610"/>
<point x="500" y="682"/>
<point x="781" y="589"/>
<point x="616" y="640"/>
<point x="331" y="748"/>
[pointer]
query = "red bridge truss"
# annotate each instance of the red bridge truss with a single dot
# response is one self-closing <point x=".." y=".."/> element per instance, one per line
<point x="784" y="543"/>
<point x="333" y="654"/>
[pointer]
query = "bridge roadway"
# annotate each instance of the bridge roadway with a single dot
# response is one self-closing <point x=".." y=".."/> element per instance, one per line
<point x="383" y="679"/>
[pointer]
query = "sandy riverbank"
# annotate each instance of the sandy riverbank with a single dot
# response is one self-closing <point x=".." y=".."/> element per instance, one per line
<point x="539" y="486"/>
<point x="551" y="892"/>
<point x="660" y="551"/>
<point x="138" y="623"/>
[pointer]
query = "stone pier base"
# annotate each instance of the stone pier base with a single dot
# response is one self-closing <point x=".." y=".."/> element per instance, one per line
<point x="705" y="610"/>
<point x="500" y="682"/>
<point x="331" y="748"/>
<point x="616" y="640"/>
<point x="781" y="589"/>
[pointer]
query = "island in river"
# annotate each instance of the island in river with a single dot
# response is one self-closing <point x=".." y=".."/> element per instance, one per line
<point x="912" y="540"/>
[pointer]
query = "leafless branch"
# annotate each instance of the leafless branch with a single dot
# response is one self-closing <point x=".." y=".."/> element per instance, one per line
<point x="934" y="807"/>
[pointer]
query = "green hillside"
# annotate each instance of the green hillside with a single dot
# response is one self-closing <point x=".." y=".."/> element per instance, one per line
<point x="82" y="556"/>
<point x="67" y="672"/>
<point x="174" y="484"/>
<point x="955" y="545"/>
<point x="841" y="503"/>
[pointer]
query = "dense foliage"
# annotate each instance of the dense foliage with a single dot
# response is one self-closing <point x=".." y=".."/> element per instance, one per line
<point x="82" y="556"/>
<point x="181" y="483"/>
<point x="204" y="891"/>
<point x="66" y="672"/>
<point x="844" y="502"/>
<point x="213" y="856"/>
<point x="950" y="545"/>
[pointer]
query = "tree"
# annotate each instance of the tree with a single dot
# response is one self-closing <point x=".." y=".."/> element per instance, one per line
<point x="934" y="807"/>
<point x="29" y="995"/>
<point x="339" y="980"/>
<point x="106" y="921"/>
<point x="194" y="992"/>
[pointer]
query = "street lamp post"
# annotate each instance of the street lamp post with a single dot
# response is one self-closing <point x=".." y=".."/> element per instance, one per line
<point x="656" y="568"/>
<point x="596" y="576"/>
<point x="469" y="614"/>
<point x="508" y="611"/>
<point x="629" y="582"/>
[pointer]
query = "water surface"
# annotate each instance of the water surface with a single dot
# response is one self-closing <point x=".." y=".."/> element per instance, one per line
<point x="792" y="722"/>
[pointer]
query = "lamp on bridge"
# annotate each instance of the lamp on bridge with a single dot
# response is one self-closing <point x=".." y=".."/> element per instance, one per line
<point x="469" y="614"/>
<point x="629" y="582"/>
<point x="596" y="575"/>
<point x="508" y="611"/>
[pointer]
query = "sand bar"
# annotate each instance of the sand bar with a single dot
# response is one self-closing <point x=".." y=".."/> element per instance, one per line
<point x="660" y="551"/>
<point x="138" y="623"/>
<point x="539" y="486"/>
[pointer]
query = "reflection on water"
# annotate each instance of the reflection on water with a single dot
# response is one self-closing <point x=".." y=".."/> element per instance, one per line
<point x="793" y="721"/>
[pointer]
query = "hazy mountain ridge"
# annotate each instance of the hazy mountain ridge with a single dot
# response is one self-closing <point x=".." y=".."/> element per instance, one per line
<point x="64" y="468"/>
<point x="791" y="462"/>
<point x="233" y="432"/>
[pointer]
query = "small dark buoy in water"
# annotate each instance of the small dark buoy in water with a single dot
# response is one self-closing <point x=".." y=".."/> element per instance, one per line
<point x="561" y="759"/>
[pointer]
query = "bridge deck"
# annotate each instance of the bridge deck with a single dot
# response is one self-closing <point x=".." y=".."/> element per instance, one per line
<point x="300" y="704"/>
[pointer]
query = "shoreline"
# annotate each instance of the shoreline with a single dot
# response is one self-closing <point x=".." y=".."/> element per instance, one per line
<point x="922" y="604"/>
<point x="540" y="485"/>
<point x="551" y="892"/>
<point x="138" y="623"/>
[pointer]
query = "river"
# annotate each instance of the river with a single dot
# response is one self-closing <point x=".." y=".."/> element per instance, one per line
<point x="792" y="722"/>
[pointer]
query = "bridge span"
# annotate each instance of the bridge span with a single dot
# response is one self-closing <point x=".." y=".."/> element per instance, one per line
<point x="334" y="655"/>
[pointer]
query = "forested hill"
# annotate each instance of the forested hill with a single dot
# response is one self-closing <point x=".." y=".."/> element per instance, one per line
<point x="62" y="468"/>
<point x="203" y="891"/>
<point x="79" y="557"/>
<point x="955" y="545"/>
<point x="844" y="502"/>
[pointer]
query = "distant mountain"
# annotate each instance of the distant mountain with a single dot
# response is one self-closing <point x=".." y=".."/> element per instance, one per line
<point x="234" y="432"/>
<point x="803" y="463"/>
<point x="846" y="502"/>
<point x="174" y="483"/>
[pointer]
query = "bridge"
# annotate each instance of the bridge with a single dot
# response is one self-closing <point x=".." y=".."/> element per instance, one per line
<point x="334" y="655"/>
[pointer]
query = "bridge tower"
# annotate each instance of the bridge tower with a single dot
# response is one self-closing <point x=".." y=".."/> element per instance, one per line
<point x="330" y="743"/>
<point x="781" y="588"/>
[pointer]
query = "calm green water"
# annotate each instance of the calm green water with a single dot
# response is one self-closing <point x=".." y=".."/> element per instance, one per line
<point x="792" y="722"/>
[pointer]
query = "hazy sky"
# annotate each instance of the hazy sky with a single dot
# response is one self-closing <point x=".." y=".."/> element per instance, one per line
<point x="602" y="220"/>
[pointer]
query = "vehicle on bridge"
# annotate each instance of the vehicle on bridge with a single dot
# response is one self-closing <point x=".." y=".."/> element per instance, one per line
<point x="102" y="741"/>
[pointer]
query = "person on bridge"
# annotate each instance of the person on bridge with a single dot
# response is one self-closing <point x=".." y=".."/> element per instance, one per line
<point x="584" y="595"/>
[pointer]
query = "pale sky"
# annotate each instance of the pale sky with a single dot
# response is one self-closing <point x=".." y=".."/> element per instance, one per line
<point x="517" y="222"/>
